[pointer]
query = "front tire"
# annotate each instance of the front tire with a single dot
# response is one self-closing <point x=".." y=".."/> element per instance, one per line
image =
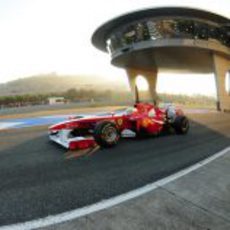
<point x="106" y="134"/>
<point x="181" y="125"/>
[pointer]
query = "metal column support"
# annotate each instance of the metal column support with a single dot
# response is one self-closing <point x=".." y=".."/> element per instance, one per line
<point x="151" y="78"/>
<point x="221" y="67"/>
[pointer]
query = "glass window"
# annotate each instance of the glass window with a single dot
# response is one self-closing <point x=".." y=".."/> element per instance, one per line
<point x="152" y="29"/>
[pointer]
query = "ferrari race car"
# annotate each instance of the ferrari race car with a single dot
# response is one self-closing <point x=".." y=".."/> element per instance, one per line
<point x="105" y="130"/>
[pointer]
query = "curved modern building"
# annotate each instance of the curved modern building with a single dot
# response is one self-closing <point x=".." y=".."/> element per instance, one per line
<point x="169" y="39"/>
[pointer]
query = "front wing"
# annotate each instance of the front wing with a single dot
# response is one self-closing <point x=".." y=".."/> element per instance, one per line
<point x="63" y="138"/>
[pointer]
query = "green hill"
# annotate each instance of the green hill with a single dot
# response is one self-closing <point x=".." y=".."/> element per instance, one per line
<point x="48" y="83"/>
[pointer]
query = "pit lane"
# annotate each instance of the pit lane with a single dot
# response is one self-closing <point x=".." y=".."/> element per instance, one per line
<point x="37" y="180"/>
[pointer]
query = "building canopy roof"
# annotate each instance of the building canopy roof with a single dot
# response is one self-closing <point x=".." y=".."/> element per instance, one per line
<point x="100" y="35"/>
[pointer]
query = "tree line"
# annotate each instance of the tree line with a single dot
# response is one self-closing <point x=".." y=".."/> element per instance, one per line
<point x="108" y="96"/>
<point x="71" y="95"/>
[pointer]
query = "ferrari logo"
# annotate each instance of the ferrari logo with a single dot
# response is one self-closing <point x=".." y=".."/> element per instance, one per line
<point x="146" y="122"/>
<point x="120" y="122"/>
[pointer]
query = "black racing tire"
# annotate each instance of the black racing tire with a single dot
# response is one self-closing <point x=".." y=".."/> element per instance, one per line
<point x="106" y="134"/>
<point x="181" y="125"/>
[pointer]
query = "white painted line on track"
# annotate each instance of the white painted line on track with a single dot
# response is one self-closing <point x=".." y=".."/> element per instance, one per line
<point x="70" y="215"/>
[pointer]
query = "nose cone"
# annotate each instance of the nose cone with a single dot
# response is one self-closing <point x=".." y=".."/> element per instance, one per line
<point x="59" y="126"/>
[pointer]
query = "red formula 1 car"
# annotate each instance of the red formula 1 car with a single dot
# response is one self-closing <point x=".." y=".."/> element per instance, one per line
<point x="106" y="129"/>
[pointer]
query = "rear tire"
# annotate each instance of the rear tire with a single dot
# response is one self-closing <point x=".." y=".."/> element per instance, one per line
<point x="181" y="125"/>
<point x="106" y="134"/>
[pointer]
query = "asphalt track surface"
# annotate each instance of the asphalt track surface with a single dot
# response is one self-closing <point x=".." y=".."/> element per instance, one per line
<point x="37" y="180"/>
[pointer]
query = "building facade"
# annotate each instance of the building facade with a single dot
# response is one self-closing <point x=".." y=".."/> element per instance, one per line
<point x="169" y="39"/>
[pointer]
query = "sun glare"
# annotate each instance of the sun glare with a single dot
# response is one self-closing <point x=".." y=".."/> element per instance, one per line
<point x="142" y="83"/>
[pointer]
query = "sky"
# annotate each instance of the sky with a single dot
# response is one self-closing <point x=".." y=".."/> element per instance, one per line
<point x="43" y="36"/>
